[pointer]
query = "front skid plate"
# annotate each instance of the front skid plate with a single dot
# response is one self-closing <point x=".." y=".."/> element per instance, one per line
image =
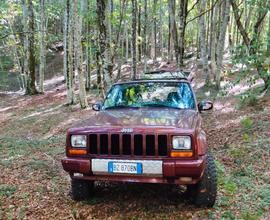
<point x="149" y="167"/>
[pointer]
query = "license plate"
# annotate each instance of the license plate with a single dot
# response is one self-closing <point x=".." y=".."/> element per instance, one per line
<point x="124" y="167"/>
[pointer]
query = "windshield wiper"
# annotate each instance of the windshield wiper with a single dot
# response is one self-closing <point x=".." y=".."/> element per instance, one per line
<point x="121" y="106"/>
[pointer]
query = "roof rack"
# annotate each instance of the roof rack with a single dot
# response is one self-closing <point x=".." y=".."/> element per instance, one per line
<point x="176" y="74"/>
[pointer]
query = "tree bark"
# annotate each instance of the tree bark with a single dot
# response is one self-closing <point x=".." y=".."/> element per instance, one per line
<point x="139" y="32"/>
<point x="88" y="50"/>
<point x="31" y="79"/>
<point x="42" y="46"/>
<point x="213" y="41"/>
<point x="182" y="29"/>
<point x="79" y="66"/>
<point x="202" y="40"/>
<point x="25" y="43"/>
<point x="134" y="38"/>
<point x="145" y="35"/>
<point x="173" y="29"/>
<point x="221" y="40"/>
<point x="68" y="56"/>
<point x="103" y="45"/>
<point x="161" y="29"/>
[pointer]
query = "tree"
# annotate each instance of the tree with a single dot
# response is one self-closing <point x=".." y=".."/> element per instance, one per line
<point x="182" y="29"/>
<point x="134" y="38"/>
<point x="31" y="78"/>
<point x="80" y="68"/>
<point x="221" y="40"/>
<point x="202" y="40"/>
<point x="173" y="30"/>
<point x="68" y="53"/>
<point x="252" y="45"/>
<point x="42" y="56"/>
<point x="103" y="45"/>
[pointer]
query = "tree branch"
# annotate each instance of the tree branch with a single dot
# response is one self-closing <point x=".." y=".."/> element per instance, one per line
<point x="209" y="9"/>
<point x="193" y="6"/>
<point x="239" y="23"/>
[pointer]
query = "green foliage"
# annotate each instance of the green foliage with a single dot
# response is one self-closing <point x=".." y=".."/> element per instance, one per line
<point x="238" y="152"/>
<point x="247" y="123"/>
<point x="249" y="216"/>
<point x="7" y="190"/>
<point x="228" y="215"/>
<point x="230" y="187"/>
<point x="248" y="99"/>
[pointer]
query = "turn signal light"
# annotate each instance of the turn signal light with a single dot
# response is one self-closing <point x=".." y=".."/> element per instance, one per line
<point x="181" y="154"/>
<point x="77" y="151"/>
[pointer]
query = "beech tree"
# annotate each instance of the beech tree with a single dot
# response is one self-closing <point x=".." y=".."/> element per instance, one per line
<point x="203" y="47"/>
<point x="42" y="56"/>
<point x="252" y="44"/>
<point x="134" y="38"/>
<point x="30" y="31"/>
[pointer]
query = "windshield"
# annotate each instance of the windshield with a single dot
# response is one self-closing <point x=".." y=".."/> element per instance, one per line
<point x="150" y="94"/>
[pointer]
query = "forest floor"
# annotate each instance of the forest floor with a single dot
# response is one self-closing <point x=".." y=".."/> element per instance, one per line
<point x="33" y="184"/>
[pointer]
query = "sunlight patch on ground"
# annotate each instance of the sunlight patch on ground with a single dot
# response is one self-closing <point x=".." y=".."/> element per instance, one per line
<point x="224" y="108"/>
<point x="54" y="80"/>
<point x="46" y="112"/>
<point x="5" y="109"/>
<point x="243" y="87"/>
<point x="198" y="85"/>
<point x="229" y="123"/>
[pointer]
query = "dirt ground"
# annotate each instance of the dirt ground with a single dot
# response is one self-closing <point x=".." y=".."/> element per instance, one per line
<point x="34" y="186"/>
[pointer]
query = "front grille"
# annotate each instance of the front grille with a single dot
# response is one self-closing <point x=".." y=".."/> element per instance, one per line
<point x="129" y="144"/>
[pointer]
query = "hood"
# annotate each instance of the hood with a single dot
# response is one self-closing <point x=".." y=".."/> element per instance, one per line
<point x="157" y="117"/>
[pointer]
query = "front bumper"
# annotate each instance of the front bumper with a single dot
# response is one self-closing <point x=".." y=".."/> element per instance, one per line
<point x="174" y="171"/>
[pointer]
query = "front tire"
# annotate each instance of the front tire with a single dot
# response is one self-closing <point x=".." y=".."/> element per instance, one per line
<point x="81" y="189"/>
<point x="205" y="191"/>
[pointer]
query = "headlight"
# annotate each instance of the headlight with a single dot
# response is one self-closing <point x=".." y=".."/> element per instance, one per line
<point x="78" y="141"/>
<point x="181" y="143"/>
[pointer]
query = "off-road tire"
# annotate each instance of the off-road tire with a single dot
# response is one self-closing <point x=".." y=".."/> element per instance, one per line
<point x="204" y="193"/>
<point x="81" y="189"/>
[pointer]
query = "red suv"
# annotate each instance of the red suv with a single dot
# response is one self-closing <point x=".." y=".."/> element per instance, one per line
<point x="146" y="131"/>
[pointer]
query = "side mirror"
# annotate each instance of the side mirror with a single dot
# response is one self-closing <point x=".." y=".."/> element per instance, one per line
<point x="96" y="106"/>
<point x="205" y="105"/>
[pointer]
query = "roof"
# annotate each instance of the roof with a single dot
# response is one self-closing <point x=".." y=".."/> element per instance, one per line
<point x="166" y="74"/>
<point x="163" y="75"/>
<point x="154" y="80"/>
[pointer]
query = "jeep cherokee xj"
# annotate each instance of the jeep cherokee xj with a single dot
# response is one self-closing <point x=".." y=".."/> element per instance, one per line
<point x="146" y="131"/>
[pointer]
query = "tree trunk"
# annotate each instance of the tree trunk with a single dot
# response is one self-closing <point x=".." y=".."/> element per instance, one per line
<point x="155" y="30"/>
<point x="182" y="29"/>
<point x="42" y="46"/>
<point x="161" y="29"/>
<point x="79" y="66"/>
<point x="173" y="30"/>
<point x="221" y="40"/>
<point x="139" y="32"/>
<point x="134" y="38"/>
<point x="268" y="40"/>
<point x="25" y="72"/>
<point x="202" y="40"/>
<point x="103" y="45"/>
<point x="127" y="43"/>
<point x="213" y="41"/>
<point x="252" y="44"/>
<point x="68" y="56"/>
<point x="31" y="78"/>
<point x="145" y="35"/>
<point x="88" y="50"/>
